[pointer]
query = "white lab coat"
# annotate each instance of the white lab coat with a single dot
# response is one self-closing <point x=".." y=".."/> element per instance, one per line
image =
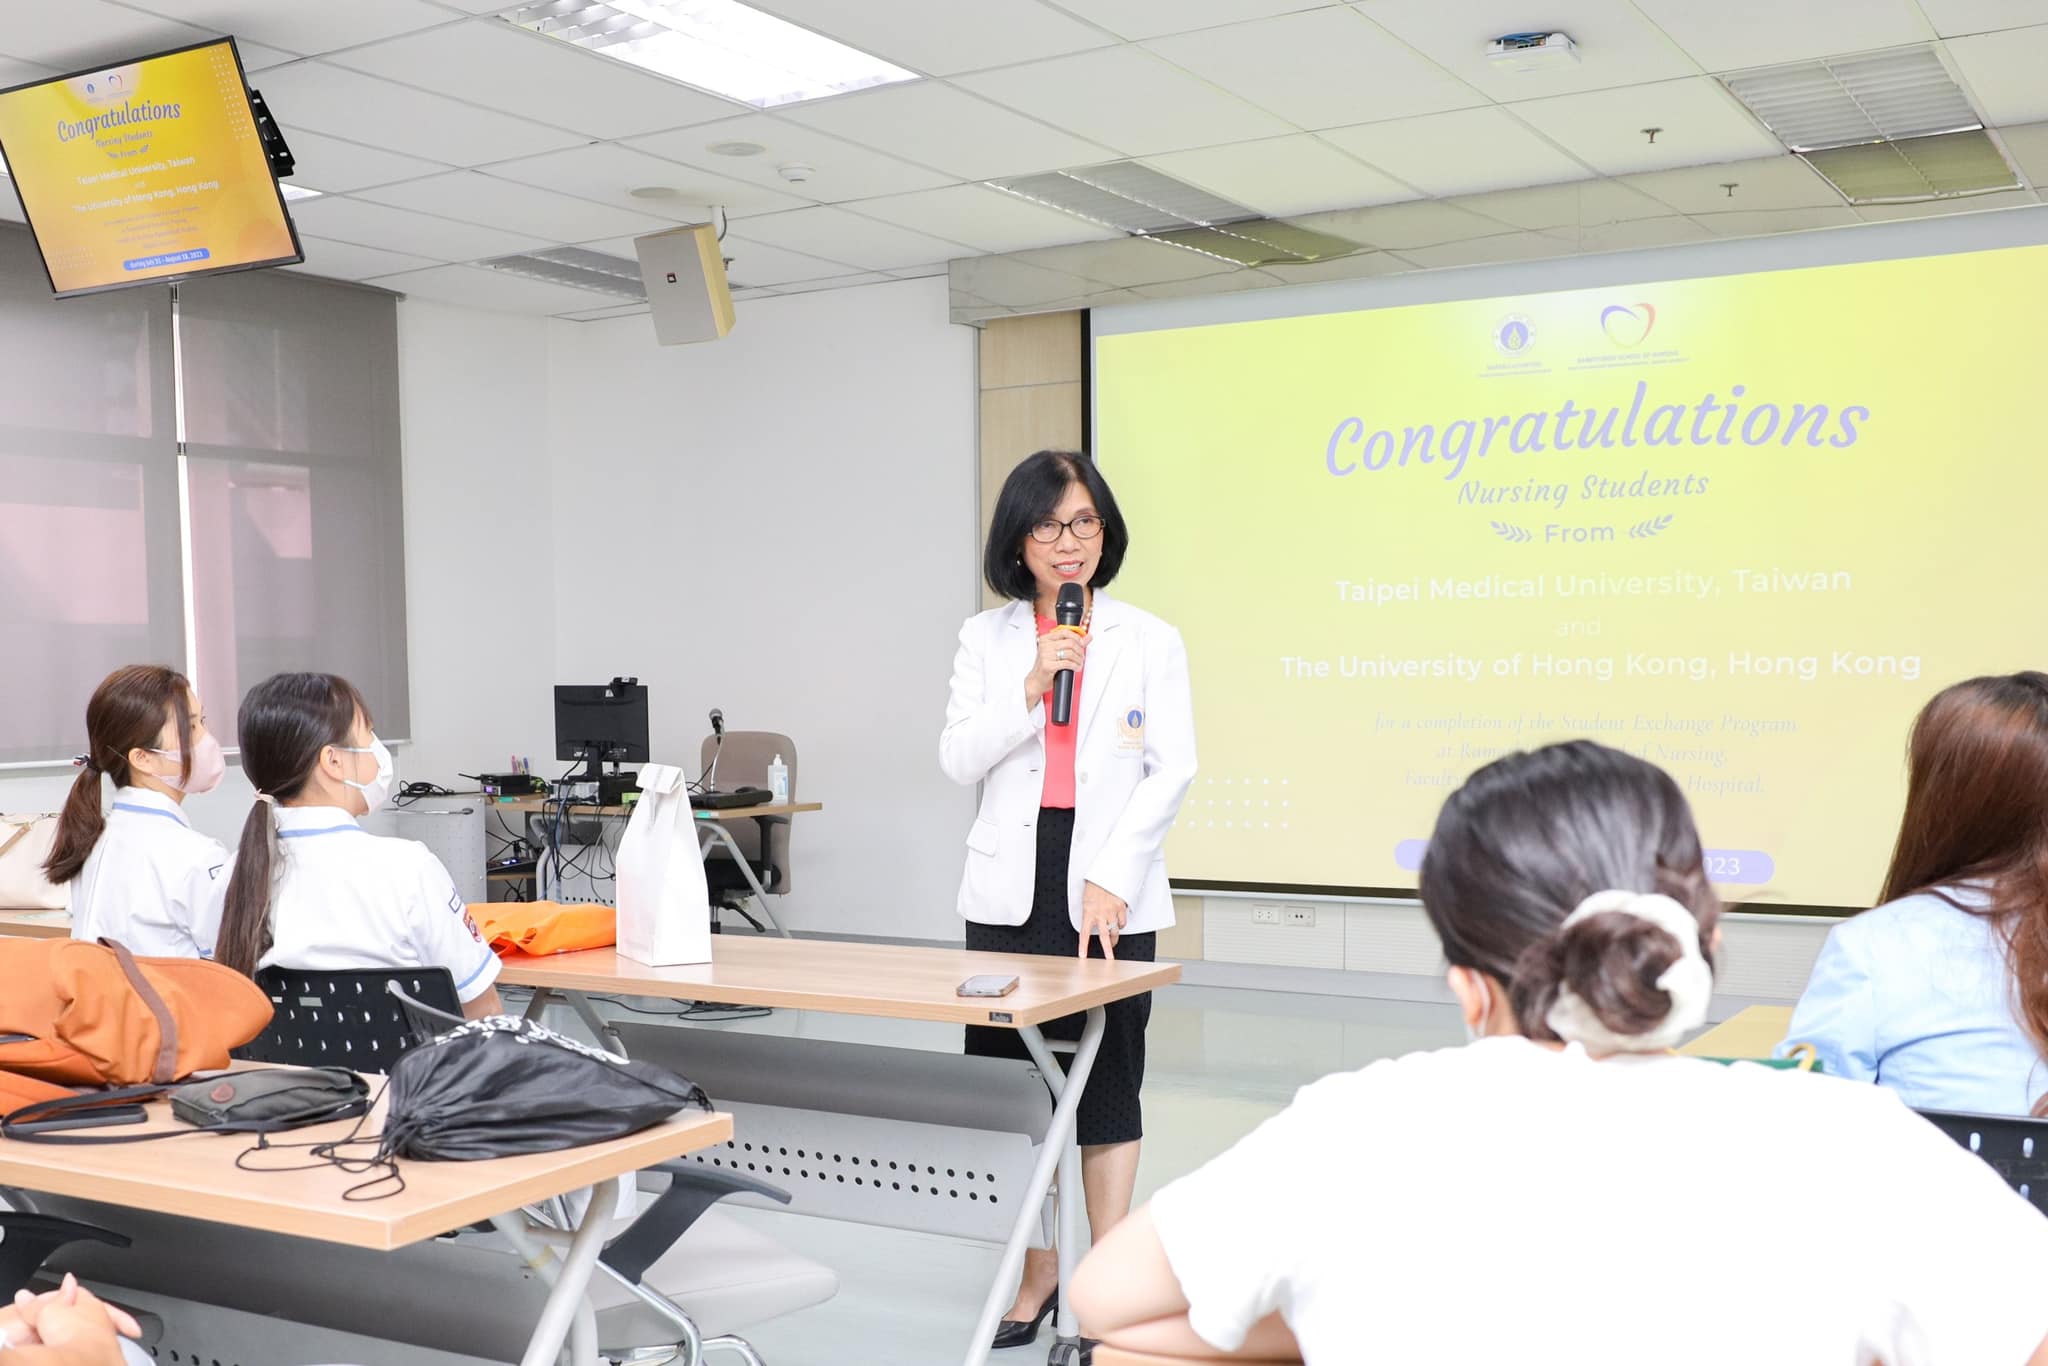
<point x="1134" y="758"/>
<point x="344" y="898"/>
<point x="152" y="883"/>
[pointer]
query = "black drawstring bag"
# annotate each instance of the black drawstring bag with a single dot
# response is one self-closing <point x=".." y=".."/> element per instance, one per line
<point x="500" y="1086"/>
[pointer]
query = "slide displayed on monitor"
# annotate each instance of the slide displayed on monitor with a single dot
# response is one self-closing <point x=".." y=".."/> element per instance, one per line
<point x="1743" y="526"/>
<point x="150" y="170"/>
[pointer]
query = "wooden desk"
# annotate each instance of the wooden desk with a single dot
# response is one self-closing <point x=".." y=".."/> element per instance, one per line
<point x="904" y="983"/>
<point x="196" y="1178"/>
<point x="898" y="982"/>
<point x="35" y="924"/>
<point x="1749" y="1033"/>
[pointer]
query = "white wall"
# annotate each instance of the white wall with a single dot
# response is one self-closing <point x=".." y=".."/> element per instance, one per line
<point x="781" y="524"/>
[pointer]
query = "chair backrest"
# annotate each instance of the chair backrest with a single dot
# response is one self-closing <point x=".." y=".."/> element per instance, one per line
<point x="744" y="763"/>
<point x="2016" y="1147"/>
<point x="347" y="1019"/>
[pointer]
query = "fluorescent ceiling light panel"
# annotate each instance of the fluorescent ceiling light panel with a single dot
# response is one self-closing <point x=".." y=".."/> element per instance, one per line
<point x="1127" y="196"/>
<point x="1902" y="92"/>
<point x="721" y="46"/>
<point x="1943" y="167"/>
<point x="578" y="268"/>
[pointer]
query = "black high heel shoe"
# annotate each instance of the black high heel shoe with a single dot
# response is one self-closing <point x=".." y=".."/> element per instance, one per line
<point x="1024" y="1332"/>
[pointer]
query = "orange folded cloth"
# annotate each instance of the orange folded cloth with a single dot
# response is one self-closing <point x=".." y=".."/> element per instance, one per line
<point x="544" y="927"/>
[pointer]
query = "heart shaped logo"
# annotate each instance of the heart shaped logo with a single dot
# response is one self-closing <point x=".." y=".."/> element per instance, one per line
<point x="1628" y="325"/>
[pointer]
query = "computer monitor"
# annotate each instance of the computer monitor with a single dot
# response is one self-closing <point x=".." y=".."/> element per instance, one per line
<point x="596" y="722"/>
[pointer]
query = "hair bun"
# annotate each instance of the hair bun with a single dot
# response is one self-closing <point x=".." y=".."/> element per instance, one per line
<point x="1630" y="974"/>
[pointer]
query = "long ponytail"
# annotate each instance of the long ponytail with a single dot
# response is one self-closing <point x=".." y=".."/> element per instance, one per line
<point x="127" y="712"/>
<point x="285" y="722"/>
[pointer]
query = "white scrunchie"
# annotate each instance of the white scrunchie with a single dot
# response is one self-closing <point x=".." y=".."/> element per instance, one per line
<point x="1688" y="981"/>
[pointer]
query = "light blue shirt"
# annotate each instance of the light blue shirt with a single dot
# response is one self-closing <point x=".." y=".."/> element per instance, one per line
<point x="1916" y="996"/>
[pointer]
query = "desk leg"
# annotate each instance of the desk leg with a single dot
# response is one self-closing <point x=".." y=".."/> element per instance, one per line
<point x="568" y="1308"/>
<point x="724" y="836"/>
<point x="1057" y="1153"/>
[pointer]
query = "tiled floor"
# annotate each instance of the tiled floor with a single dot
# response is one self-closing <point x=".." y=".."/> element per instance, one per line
<point x="1219" y="1062"/>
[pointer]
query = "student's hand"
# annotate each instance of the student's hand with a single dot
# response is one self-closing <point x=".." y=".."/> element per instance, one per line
<point x="1057" y="649"/>
<point x="69" y="1326"/>
<point x="1102" y="913"/>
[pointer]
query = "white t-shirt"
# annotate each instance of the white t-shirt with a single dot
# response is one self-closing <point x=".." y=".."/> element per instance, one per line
<point x="152" y="883"/>
<point x="1511" y="1202"/>
<point x="345" y="898"/>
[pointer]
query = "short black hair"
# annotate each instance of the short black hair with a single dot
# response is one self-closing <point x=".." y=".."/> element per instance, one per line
<point x="1029" y="496"/>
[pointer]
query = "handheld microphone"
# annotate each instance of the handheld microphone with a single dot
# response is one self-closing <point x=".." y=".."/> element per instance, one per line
<point x="1066" y="613"/>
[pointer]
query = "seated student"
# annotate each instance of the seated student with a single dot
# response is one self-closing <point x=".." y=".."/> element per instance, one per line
<point x="310" y="888"/>
<point x="140" y="874"/>
<point x="1941" y="993"/>
<point x="1565" y="1189"/>
<point x="68" y="1326"/>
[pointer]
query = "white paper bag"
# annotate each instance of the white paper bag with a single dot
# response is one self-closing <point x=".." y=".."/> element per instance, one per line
<point x="664" y="905"/>
<point x="25" y="844"/>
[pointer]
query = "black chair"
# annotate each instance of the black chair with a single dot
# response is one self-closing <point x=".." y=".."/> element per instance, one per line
<point x="2016" y="1147"/>
<point x="348" y="1019"/>
<point x="27" y="1240"/>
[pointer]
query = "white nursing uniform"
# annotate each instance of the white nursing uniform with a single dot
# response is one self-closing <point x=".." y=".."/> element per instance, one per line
<point x="345" y="898"/>
<point x="152" y="884"/>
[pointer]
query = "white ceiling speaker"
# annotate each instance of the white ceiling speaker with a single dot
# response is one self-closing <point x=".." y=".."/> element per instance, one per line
<point x="684" y="272"/>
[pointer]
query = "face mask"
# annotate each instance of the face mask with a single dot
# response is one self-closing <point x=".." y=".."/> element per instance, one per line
<point x="208" y="768"/>
<point x="378" y="788"/>
<point x="1473" y="1033"/>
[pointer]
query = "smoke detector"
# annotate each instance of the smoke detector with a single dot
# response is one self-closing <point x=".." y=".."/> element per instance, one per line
<point x="796" y="173"/>
<point x="1533" y="51"/>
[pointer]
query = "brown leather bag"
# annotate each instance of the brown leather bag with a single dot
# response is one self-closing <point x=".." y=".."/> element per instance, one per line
<point x="81" y="1014"/>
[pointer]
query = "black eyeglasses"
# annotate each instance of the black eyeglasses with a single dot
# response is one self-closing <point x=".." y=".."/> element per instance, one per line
<point x="1086" y="527"/>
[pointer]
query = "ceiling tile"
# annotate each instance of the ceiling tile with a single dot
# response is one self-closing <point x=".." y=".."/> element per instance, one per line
<point x="606" y="173"/>
<point x="841" y="236"/>
<point x="924" y="272"/>
<point x="1753" y="223"/>
<point x="256" y="57"/>
<point x="982" y="218"/>
<point x="13" y="73"/>
<point x="1312" y="69"/>
<point x="306" y="26"/>
<point x="475" y="197"/>
<point x="1459" y="153"/>
<point x="1481" y="251"/>
<point x="1975" y="203"/>
<point x="1283" y="176"/>
<point x="1637" y="233"/>
<point x="1129" y="261"/>
<point x="601" y="314"/>
<point x="940" y="126"/>
<point x="759" y="264"/>
<point x="1236" y="282"/>
<point x="492" y="290"/>
<point x="836" y="282"/>
<point x="10" y="206"/>
<point x="1699" y="121"/>
<point x="380" y="113"/>
<point x="1728" y="35"/>
<point x="1152" y="18"/>
<point x="1615" y="44"/>
<point x="1396" y="227"/>
<point x="334" y="166"/>
<point x="1954" y="18"/>
<point x="1780" y="182"/>
<point x="82" y="33"/>
<point x="936" y="37"/>
<point x="840" y="170"/>
<point x="1008" y="282"/>
<point x="347" y="261"/>
<point x="490" y="63"/>
<point x="2003" y="70"/>
<point x="2027" y="146"/>
<point x="1568" y="205"/>
<point x="378" y="225"/>
<point x="1128" y="99"/>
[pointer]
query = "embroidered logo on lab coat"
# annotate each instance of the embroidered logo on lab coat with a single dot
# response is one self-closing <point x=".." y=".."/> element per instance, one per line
<point x="1130" y="731"/>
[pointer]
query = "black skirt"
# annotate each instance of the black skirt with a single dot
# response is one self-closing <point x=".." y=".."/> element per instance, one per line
<point x="1109" y="1111"/>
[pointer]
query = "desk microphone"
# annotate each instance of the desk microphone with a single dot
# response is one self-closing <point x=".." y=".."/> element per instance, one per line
<point x="1066" y="613"/>
<point x="717" y="748"/>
